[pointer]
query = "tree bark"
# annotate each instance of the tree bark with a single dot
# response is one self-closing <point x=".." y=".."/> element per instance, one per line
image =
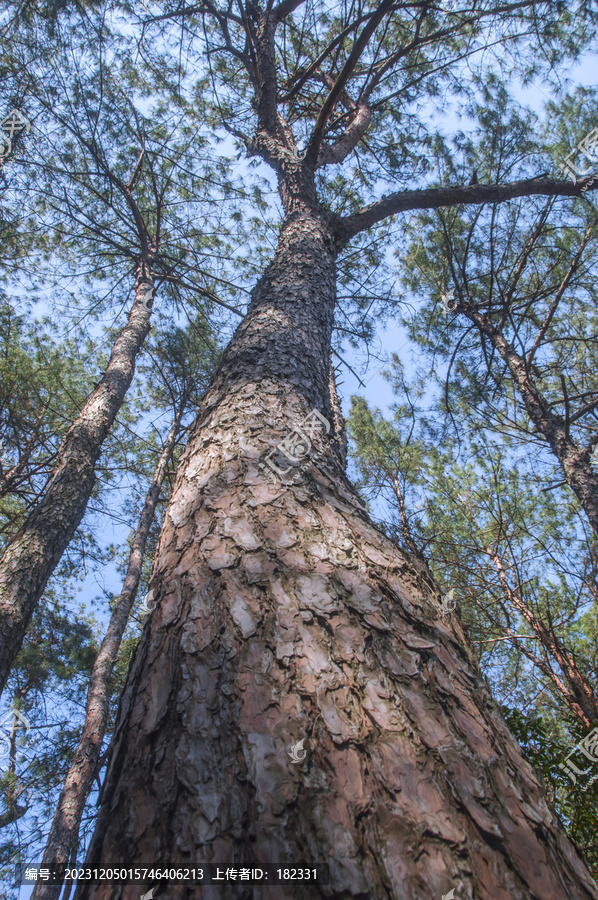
<point x="35" y="550"/>
<point x="284" y="615"/>
<point x="576" y="689"/>
<point x="79" y="780"/>
<point x="576" y="465"/>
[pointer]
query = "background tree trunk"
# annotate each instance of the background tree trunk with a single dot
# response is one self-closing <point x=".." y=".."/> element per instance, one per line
<point x="576" y="463"/>
<point x="285" y="615"/>
<point x="36" y="549"/>
<point x="77" y="786"/>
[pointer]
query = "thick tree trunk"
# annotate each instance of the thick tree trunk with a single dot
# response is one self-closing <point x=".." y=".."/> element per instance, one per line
<point x="79" y="780"/>
<point x="35" y="550"/>
<point x="285" y="615"/>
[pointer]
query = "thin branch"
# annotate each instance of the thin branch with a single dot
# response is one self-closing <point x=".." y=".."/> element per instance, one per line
<point x="559" y="295"/>
<point x="566" y="397"/>
<point x="203" y="292"/>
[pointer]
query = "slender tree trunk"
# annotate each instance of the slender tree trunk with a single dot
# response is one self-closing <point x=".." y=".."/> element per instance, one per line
<point x="576" y="465"/>
<point x="73" y="861"/>
<point x="576" y="689"/>
<point x="405" y="526"/>
<point x="79" y="780"/>
<point x="35" y="550"/>
<point x="285" y="615"/>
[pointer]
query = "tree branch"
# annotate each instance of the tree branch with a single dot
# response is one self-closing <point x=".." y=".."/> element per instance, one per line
<point x="285" y="8"/>
<point x="559" y="295"/>
<point x="434" y="198"/>
<point x="313" y="68"/>
<point x="174" y="279"/>
<point x="352" y="134"/>
<point x="352" y="60"/>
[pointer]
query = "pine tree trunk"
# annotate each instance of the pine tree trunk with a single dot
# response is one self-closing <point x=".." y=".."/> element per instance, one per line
<point x="575" y="462"/>
<point x="79" y="780"/>
<point x="575" y="686"/>
<point x="36" y="549"/>
<point x="285" y="615"/>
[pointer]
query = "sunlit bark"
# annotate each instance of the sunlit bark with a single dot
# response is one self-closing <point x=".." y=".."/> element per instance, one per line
<point x="284" y="615"/>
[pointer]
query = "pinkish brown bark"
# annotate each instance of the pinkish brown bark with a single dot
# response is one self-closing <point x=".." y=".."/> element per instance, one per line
<point x="285" y="615"/>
